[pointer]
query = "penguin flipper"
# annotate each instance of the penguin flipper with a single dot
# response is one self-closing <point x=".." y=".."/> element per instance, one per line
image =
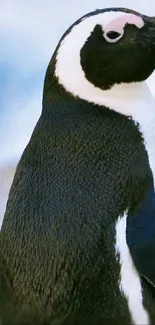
<point x="140" y="236"/>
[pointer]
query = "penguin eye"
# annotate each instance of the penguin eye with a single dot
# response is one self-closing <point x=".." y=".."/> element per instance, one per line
<point x="112" y="36"/>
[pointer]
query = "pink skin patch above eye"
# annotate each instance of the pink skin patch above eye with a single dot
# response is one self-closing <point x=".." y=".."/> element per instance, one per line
<point x="119" y="23"/>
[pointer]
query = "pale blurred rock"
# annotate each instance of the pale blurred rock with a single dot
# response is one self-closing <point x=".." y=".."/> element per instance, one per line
<point x="6" y="178"/>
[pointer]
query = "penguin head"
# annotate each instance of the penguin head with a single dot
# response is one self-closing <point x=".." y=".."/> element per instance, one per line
<point x="105" y="48"/>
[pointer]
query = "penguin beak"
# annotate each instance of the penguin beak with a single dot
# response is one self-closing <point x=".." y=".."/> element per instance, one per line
<point x="152" y="29"/>
<point x="152" y="19"/>
<point x="149" y="29"/>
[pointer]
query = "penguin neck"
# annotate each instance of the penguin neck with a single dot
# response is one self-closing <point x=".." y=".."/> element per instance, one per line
<point x="130" y="99"/>
<point x="136" y="102"/>
<point x="133" y="100"/>
<point x="124" y="98"/>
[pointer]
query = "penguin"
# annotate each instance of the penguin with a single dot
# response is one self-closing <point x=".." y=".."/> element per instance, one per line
<point x="77" y="244"/>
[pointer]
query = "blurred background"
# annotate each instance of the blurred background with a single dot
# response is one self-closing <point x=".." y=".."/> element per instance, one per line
<point x="29" y="32"/>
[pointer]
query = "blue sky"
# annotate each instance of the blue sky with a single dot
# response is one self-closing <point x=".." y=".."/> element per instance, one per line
<point x="29" y="32"/>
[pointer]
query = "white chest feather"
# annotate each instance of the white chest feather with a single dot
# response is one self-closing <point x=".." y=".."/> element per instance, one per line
<point x="143" y="113"/>
<point x="130" y="284"/>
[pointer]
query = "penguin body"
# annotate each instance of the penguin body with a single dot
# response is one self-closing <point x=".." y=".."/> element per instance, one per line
<point x="77" y="240"/>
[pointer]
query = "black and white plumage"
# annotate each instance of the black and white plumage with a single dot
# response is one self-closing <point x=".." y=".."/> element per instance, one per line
<point x="77" y="243"/>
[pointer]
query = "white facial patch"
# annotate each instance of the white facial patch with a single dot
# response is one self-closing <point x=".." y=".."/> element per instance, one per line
<point x="68" y="68"/>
